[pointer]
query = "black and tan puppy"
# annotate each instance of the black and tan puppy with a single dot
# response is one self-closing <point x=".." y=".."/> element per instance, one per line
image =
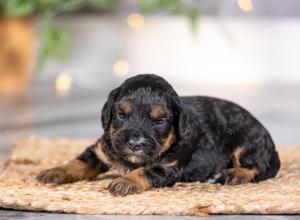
<point x="156" y="138"/>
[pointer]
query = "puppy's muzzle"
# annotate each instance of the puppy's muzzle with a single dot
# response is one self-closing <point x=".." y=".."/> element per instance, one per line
<point x="136" y="141"/>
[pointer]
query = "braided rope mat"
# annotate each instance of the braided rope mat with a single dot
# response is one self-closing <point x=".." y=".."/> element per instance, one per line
<point x="19" y="189"/>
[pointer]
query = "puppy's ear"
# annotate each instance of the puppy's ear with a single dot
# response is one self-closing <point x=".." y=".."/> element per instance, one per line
<point x="182" y="120"/>
<point x="107" y="108"/>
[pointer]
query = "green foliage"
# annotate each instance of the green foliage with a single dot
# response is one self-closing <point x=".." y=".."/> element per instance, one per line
<point x="102" y="4"/>
<point x="54" y="41"/>
<point x="172" y="7"/>
<point x="193" y="15"/>
<point x="49" y="4"/>
<point x="17" y="8"/>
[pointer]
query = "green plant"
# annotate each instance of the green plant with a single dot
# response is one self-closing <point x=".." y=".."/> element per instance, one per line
<point x="173" y="7"/>
<point x="54" y="40"/>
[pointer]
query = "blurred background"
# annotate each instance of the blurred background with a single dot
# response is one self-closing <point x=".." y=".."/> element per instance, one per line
<point x="59" y="59"/>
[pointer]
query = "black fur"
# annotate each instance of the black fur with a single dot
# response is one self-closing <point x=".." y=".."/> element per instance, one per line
<point x="206" y="133"/>
<point x="89" y="157"/>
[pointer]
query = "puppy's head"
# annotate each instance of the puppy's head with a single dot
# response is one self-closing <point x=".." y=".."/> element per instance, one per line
<point x="143" y="118"/>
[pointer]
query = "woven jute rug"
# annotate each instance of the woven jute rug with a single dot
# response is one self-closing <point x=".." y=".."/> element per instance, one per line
<point x="19" y="189"/>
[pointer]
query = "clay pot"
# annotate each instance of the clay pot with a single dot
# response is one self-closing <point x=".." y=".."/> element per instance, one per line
<point x="16" y="54"/>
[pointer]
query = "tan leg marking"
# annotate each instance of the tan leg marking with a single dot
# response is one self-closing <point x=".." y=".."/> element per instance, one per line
<point x="235" y="156"/>
<point x="73" y="171"/>
<point x="132" y="183"/>
<point x="238" y="175"/>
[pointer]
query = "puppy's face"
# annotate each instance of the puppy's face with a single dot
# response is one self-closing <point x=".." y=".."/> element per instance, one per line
<point x="141" y="126"/>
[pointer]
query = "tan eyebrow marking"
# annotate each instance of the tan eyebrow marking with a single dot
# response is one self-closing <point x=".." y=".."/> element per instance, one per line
<point x="126" y="106"/>
<point x="157" y="111"/>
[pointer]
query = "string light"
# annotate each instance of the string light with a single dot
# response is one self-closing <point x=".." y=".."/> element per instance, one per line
<point x="63" y="83"/>
<point x="245" y="5"/>
<point x="121" y="68"/>
<point x="135" y="20"/>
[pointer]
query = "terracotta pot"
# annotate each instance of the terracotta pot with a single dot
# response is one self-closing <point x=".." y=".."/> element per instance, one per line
<point x="16" y="54"/>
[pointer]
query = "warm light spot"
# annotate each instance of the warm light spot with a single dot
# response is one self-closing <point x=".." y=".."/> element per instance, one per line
<point x="63" y="83"/>
<point x="135" y="20"/>
<point x="245" y="5"/>
<point x="121" y="68"/>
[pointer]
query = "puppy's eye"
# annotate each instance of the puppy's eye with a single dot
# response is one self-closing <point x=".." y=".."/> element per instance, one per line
<point x="160" y="121"/>
<point x="121" y="115"/>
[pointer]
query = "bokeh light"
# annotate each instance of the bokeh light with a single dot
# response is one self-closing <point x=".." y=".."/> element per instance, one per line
<point x="245" y="5"/>
<point x="121" y="68"/>
<point x="63" y="83"/>
<point x="135" y="20"/>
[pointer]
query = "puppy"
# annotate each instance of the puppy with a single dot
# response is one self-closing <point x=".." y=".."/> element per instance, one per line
<point x="156" y="138"/>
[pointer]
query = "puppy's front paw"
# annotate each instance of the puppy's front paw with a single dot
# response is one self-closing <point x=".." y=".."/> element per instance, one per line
<point x="58" y="175"/>
<point x="123" y="187"/>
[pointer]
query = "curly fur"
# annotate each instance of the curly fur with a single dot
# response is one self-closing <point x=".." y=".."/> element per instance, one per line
<point x="167" y="138"/>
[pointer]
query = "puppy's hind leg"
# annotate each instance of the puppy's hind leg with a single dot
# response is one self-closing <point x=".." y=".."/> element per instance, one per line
<point x="237" y="174"/>
<point x="254" y="160"/>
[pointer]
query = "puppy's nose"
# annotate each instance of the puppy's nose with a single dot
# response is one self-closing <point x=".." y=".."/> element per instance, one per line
<point x="135" y="144"/>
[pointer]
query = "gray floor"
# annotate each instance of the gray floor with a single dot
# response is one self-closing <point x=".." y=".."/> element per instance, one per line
<point x="76" y="115"/>
<point x="33" y="215"/>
